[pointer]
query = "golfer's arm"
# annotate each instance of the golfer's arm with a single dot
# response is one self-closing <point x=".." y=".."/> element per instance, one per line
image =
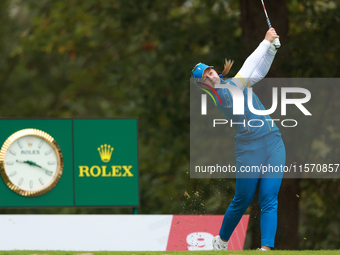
<point x="242" y="77"/>
<point x="262" y="68"/>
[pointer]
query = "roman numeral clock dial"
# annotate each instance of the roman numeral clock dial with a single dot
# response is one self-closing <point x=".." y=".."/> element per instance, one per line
<point x="31" y="162"/>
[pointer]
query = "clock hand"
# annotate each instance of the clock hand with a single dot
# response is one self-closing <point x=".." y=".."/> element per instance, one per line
<point x="42" y="168"/>
<point x="31" y="163"/>
<point x="21" y="161"/>
<point x="47" y="171"/>
<point x="27" y="162"/>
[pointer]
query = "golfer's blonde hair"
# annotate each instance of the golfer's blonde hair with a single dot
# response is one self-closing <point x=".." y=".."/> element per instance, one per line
<point x="227" y="66"/>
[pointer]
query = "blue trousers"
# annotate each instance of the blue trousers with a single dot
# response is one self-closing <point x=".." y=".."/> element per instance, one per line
<point x="267" y="154"/>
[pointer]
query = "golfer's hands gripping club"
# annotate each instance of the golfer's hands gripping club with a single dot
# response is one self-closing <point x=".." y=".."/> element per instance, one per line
<point x="273" y="38"/>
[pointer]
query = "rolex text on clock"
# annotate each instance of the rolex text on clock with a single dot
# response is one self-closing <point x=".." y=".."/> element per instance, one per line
<point x="31" y="162"/>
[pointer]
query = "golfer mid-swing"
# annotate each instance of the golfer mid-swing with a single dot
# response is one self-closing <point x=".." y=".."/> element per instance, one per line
<point x="258" y="144"/>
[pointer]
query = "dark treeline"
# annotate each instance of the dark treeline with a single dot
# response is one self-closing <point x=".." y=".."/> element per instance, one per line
<point x="109" y="58"/>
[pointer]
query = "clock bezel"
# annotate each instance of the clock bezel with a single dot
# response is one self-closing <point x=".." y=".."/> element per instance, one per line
<point x="51" y="141"/>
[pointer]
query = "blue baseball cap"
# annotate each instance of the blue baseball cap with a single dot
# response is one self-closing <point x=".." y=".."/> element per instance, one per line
<point x="198" y="70"/>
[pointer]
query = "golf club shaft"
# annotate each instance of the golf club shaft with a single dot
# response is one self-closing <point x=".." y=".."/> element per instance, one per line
<point x="276" y="40"/>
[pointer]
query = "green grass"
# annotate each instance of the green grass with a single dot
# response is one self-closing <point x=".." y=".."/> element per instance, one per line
<point x="247" y="252"/>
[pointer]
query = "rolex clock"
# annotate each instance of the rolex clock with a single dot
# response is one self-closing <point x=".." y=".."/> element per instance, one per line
<point x="31" y="162"/>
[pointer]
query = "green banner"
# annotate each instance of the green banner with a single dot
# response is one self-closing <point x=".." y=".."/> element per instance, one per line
<point x="62" y="193"/>
<point x="69" y="162"/>
<point x="106" y="162"/>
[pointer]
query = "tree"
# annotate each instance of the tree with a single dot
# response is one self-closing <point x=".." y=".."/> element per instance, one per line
<point x="108" y="58"/>
<point x="252" y="21"/>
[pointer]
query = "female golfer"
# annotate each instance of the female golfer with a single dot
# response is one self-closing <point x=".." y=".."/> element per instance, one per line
<point x="258" y="143"/>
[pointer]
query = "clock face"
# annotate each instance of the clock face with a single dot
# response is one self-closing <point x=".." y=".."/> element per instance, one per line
<point x="31" y="162"/>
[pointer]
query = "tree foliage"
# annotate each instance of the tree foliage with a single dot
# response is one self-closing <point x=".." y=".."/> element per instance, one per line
<point x="115" y="58"/>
